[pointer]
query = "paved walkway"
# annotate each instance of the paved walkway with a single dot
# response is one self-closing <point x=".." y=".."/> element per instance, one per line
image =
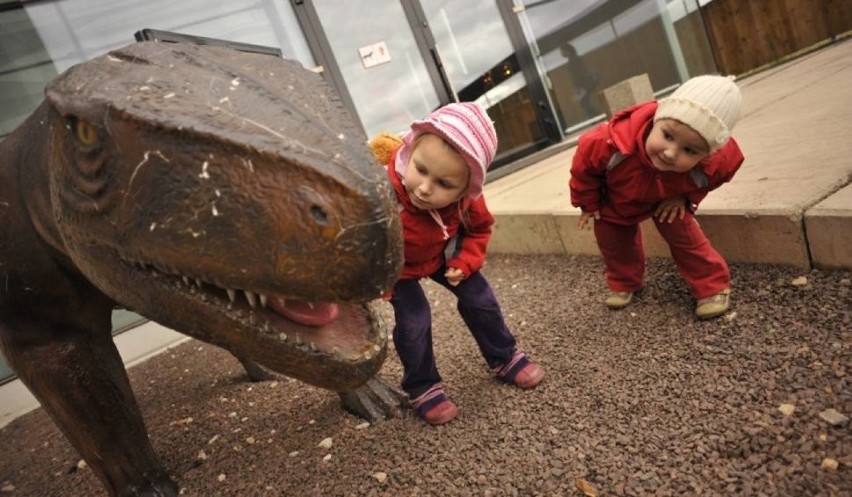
<point x="790" y="203"/>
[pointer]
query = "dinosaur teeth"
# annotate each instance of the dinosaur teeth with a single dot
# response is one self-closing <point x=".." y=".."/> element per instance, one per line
<point x="263" y="299"/>
<point x="252" y="299"/>
<point x="186" y="281"/>
<point x="198" y="282"/>
<point x="232" y="295"/>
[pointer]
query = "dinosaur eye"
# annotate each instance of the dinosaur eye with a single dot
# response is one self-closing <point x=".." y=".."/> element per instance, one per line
<point x="86" y="133"/>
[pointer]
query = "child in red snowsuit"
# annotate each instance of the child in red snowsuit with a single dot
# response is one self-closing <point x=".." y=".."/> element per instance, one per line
<point x="438" y="173"/>
<point x="659" y="160"/>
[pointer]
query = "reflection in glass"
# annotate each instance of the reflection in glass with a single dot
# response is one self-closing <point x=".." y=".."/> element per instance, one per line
<point x="481" y="65"/>
<point x="585" y="46"/>
<point x="42" y="39"/>
<point x="387" y="95"/>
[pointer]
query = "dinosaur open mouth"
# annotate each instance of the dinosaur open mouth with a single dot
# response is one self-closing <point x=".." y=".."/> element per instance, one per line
<point x="344" y="330"/>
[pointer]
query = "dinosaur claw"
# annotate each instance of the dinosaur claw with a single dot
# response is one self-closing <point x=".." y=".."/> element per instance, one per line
<point x="374" y="401"/>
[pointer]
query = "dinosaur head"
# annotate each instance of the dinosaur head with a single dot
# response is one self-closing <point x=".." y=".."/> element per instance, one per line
<point x="195" y="184"/>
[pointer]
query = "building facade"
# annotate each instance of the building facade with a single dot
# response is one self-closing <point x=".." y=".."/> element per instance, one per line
<point x="537" y="66"/>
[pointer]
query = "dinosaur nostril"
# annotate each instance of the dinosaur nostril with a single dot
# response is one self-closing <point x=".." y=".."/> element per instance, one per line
<point x="319" y="215"/>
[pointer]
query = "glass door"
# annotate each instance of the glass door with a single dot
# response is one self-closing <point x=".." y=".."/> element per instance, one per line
<point x="380" y="62"/>
<point x="481" y="65"/>
<point x="401" y="59"/>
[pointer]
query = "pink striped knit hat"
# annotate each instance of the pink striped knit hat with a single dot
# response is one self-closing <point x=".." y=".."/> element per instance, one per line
<point x="467" y="127"/>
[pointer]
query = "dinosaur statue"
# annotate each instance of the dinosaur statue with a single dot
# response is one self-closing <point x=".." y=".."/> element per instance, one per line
<point x="226" y="195"/>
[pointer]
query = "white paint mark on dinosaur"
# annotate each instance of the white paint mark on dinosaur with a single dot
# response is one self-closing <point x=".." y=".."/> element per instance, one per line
<point x="141" y="163"/>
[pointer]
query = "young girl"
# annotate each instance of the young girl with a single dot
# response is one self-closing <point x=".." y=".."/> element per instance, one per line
<point x="438" y="172"/>
<point x="660" y="160"/>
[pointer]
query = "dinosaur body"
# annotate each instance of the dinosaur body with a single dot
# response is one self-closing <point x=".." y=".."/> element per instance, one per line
<point x="199" y="187"/>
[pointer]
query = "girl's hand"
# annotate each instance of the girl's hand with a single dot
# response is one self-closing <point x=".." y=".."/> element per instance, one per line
<point x="669" y="209"/>
<point x="454" y="276"/>
<point x="584" y="218"/>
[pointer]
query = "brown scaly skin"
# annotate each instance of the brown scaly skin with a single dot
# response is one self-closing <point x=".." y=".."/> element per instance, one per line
<point x="157" y="178"/>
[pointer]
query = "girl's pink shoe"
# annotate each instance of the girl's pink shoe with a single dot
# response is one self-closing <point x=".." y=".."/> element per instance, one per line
<point x="530" y="376"/>
<point x="442" y="413"/>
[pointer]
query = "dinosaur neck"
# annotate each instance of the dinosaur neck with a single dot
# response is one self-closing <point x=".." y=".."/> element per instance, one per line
<point x="25" y="185"/>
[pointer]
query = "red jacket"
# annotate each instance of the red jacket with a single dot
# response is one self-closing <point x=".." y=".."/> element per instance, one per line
<point x="630" y="191"/>
<point x="424" y="239"/>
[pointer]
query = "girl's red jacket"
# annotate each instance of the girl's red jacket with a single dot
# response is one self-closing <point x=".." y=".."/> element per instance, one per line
<point x="424" y="239"/>
<point x="630" y="191"/>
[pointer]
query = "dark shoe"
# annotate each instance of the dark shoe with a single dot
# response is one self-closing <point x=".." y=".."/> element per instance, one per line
<point x="530" y="376"/>
<point x="442" y="413"/>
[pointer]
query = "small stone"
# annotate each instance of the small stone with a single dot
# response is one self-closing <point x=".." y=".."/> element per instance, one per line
<point x="829" y="464"/>
<point x="8" y="487"/>
<point x="202" y="456"/>
<point x="250" y="440"/>
<point x="585" y="487"/>
<point x="362" y="426"/>
<point x="81" y="464"/>
<point x="731" y="316"/>
<point x="326" y="458"/>
<point x="221" y="477"/>
<point x="787" y="409"/>
<point x="833" y="417"/>
<point x="800" y="281"/>
<point x="294" y="453"/>
<point x="325" y="444"/>
<point x="380" y="476"/>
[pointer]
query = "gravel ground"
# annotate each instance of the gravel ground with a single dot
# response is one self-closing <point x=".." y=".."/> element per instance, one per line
<point x="644" y="401"/>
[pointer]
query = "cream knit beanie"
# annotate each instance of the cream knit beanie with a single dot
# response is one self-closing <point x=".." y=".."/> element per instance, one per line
<point x="710" y="105"/>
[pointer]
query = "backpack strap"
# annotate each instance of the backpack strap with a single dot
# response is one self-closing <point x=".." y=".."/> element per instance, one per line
<point x="699" y="178"/>
<point x="615" y="160"/>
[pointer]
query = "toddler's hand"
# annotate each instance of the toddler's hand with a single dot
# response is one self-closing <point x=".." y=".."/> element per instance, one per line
<point x="454" y="276"/>
<point x="584" y="218"/>
<point x="669" y="209"/>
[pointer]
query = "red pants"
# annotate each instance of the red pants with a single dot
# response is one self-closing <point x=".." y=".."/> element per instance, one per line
<point x="703" y="268"/>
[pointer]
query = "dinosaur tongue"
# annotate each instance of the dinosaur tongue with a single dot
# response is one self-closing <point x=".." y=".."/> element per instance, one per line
<point x="306" y="313"/>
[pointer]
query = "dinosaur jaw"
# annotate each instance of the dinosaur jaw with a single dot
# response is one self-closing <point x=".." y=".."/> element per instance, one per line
<point x="337" y="354"/>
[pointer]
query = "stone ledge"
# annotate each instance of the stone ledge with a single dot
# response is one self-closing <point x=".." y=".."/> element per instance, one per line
<point x="829" y="230"/>
<point x="769" y="238"/>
